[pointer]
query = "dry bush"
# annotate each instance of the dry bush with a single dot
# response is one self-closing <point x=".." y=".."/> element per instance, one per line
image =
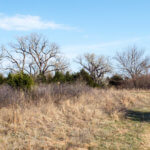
<point x="58" y="92"/>
<point x="141" y="82"/>
<point x="10" y="96"/>
<point x="42" y="92"/>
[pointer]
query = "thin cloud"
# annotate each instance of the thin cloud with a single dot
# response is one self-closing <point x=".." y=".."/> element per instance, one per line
<point x="28" y="22"/>
<point x="86" y="36"/>
<point x="103" y="48"/>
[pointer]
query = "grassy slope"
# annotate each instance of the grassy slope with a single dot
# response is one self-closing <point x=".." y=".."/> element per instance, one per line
<point x="93" y="121"/>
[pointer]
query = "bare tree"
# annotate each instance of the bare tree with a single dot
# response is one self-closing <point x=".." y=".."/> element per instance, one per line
<point x="17" y="58"/>
<point x="132" y="62"/>
<point x="35" y="55"/>
<point x="1" y="57"/>
<point x="1" y="54"/>
<point x="96" y="66"/>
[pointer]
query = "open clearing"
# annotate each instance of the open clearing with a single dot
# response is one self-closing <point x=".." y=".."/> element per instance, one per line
<point x="96" y="120"/>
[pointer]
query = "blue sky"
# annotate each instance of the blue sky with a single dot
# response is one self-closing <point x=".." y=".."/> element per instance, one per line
<point x="99" y="26"/>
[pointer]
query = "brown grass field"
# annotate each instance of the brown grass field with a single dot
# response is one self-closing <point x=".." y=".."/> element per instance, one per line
<point x="93" y="119"/>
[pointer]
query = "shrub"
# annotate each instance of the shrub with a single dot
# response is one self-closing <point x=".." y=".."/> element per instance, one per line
<point x="49" y="78"/>
<point x="59" y="77"/>
<point x="116" y="81"/>
<point x="20" y="81"/>
<point x="83" y="75"/>
<point x="41" y="78"/>
<point x="68" y="77"/>
<point x="141" y="82"/>
<point x="2" y="79"/>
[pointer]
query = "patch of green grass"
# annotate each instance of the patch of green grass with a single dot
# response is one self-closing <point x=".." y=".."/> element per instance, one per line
<point x="122" y="135"/>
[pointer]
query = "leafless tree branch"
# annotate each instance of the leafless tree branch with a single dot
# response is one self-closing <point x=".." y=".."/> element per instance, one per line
<point x="132" y="62"/>
<point x="34" y="54"/>
<point x="97" y="66"/>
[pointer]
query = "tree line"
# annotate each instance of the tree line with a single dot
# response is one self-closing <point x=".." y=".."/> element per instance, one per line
<point x="33" y="59"/>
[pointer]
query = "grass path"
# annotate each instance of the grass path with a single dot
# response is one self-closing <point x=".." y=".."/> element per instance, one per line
<point x="142" y="116"/>
<point x="132" y="133"/>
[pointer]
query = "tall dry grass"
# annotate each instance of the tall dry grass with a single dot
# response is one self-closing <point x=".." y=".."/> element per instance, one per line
<point x="60" y="116"/>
